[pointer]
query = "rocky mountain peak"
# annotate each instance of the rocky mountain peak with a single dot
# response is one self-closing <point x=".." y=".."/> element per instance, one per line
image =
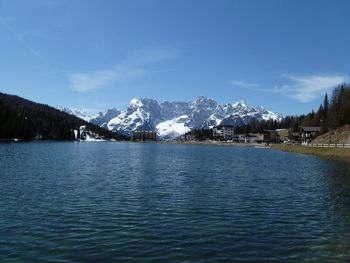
<point x="204" y="103"/>
<point x="143" y="103"/>
<point x="102" y="118"/>
<point x="240" y="104"/>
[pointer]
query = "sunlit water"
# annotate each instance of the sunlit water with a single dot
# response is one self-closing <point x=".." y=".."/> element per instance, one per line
<point x="115" y="202"/>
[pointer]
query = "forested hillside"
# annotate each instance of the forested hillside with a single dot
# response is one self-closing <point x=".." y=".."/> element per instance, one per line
<point x="332" y="114"/>
<point x="27" y="120"/>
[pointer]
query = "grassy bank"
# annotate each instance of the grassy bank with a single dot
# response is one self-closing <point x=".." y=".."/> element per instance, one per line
<point x="331" y="153"/>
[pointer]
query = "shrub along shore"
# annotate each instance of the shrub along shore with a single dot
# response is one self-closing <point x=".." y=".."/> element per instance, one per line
<point x="330" y="153"/>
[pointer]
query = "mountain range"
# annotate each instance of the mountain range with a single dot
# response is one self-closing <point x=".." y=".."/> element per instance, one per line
<point x="172" y="119"/>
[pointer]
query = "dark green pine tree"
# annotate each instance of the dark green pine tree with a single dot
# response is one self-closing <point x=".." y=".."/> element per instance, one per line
<point x="325" y="106"/>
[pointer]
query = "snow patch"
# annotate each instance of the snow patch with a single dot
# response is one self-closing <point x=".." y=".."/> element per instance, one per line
<point x="173" y="128"/>
<point x="92" y="139"/>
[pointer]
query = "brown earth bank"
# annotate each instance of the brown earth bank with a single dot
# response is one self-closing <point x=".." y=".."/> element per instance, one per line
<point x="329" y="153"/>
<point x="339" y="136"/>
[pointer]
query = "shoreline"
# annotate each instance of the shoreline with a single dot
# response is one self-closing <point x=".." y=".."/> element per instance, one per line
<point x="341" y="154"/>
<point x="209" y="142"/>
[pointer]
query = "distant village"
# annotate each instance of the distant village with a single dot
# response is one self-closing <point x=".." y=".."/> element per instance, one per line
<point x="226" y="133"/>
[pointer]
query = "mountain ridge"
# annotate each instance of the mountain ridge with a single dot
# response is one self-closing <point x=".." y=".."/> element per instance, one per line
<point x="172" y="119"/>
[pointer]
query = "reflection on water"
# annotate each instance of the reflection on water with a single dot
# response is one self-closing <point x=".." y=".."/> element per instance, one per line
<point x="150" y="202"/>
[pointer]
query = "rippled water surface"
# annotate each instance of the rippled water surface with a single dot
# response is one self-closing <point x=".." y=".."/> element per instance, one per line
<point x="105" y="202"/>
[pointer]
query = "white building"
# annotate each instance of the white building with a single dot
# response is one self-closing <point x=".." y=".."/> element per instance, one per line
<point x="223" y="132"/>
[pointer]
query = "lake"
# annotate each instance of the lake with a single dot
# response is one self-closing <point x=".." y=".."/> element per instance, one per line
<point x="145" y="202"/>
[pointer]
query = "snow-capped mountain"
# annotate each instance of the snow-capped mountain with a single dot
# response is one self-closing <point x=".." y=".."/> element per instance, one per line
<point x="102" y="118"/>
<point x="172" y="119"/>
<point x="141" y="114"/>
<point x="77" y="112"/>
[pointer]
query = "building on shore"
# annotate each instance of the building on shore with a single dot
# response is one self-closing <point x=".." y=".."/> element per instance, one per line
<point x="140" y="136"/>
<point x="304" y="135"/>
<point x="248" y="138"/>
<point x="276" y="136"/>
<point x="187" y="137"/>
<point x="271" y="136"/>
<point x="307" y="134"/>
<point x="223" y="132"/>
<point x="295" y="136"/>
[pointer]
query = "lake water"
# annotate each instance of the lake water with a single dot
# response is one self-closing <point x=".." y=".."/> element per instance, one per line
<point x="115" y="202"/>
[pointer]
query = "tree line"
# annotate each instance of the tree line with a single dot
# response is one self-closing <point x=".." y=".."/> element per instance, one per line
<point x="26" y="120"/>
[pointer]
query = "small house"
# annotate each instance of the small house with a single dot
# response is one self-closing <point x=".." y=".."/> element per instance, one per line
<point x="309" y="133"/>
<point x="250" y="138"/>
<point x="271" y="136"/>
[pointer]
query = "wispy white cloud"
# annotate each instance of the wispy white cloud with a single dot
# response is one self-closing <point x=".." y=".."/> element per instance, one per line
<point x="20" y="37"/>
<point x="244" y="84"/>
<point x="307" y="88"/>
<point x="135" y="65"/>
<point x="300" y="88"/>
<point x="99" y="79"/>
<point x="93" y="80"/>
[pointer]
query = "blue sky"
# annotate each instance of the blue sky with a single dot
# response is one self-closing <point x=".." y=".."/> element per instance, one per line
<point x="96" y="54"/>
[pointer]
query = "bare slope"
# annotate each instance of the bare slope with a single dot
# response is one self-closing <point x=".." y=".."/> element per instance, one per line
<point x="340" y="135"/>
